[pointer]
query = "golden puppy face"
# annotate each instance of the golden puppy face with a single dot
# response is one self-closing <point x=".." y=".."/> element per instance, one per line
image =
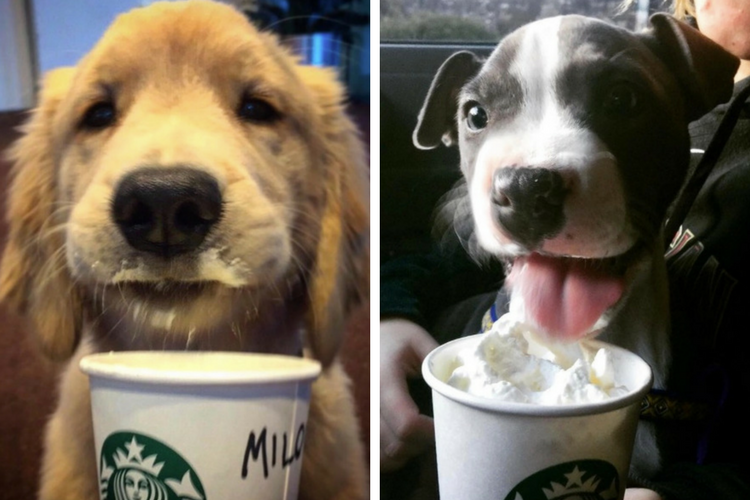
<point x="197" y="173"/>
<point x="231" y="109"/>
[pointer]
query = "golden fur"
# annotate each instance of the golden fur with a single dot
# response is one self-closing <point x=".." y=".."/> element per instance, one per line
<point x="289" y="254"/>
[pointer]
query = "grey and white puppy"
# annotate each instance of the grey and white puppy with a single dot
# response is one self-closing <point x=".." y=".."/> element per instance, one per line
<point x="574" y="141"/>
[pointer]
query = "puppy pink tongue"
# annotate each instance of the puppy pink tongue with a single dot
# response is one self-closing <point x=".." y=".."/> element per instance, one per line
<point x="564" y="296"/>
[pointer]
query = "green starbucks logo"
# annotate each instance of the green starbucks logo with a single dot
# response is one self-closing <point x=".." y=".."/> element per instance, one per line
<point x="138" y="467"/>
<point x="578" y="480"/>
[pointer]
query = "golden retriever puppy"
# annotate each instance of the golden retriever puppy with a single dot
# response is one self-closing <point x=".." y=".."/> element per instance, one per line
<point x="188" y="185"/>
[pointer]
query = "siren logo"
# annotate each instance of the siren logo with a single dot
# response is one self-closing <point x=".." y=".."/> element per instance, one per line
<point x="138" y="467"/>
<point x="578" y="480"/>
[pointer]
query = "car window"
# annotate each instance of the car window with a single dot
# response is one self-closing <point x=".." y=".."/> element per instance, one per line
<point x="489" y="20"/>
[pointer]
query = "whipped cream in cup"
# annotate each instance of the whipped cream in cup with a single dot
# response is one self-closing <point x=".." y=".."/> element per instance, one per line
<point x="515" y="362"/>
<point x="517" y="420"/>
<point x="199" y="425"/>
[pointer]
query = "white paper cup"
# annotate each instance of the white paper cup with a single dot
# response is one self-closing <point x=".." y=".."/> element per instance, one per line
<point x="199" y="426"/>
<point x="517" y="451"/>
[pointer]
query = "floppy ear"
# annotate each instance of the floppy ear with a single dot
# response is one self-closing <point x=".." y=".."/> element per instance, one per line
<point x="34" y="279"/>
<point x="437" y="119"/>
<point x="703" y="69"/>
<point x="340" y="277"/>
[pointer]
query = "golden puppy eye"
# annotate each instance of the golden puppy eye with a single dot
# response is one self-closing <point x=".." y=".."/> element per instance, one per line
<point x="256" y="110"/>
<point x="98" y="116"/>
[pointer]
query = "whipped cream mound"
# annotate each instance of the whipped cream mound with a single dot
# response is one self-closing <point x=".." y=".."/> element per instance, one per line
<point x="511" y="363"/>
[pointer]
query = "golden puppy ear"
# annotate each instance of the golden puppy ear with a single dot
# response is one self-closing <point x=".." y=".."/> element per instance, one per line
<point x="34" y="279"/>
<point x="340" y="278"/>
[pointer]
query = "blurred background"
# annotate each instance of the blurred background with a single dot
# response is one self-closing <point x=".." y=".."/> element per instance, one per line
<point x="38" y="35"/>
<point x="490" y="20"/>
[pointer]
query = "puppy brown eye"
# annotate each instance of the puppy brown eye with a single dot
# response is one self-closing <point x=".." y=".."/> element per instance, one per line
<point x="476" y="117"/>
<point x="622" y="100"/>
<point x="257" y="110"/>
<point x="99" y="116"/>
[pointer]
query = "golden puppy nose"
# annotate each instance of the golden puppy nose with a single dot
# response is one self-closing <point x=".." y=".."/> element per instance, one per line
<point x="166" y="211"/>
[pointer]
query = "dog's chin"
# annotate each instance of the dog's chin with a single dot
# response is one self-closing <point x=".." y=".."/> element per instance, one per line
<point x="169" y="293"/>
<point x="569" y="297"/>
<point x="166" y="305"/>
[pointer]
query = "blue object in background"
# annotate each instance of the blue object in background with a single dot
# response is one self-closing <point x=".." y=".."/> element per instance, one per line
<point x="66" y="31"/>
<point x="333" y="33"/>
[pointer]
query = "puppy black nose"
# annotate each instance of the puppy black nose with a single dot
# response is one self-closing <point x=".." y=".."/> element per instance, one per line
<point x="166" y="211"/>
<point x="528" y="203"/>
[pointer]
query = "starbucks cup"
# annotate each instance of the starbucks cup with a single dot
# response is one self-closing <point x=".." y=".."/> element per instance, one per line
<point x="199" y="426"/>
<point x="488" y="448"/>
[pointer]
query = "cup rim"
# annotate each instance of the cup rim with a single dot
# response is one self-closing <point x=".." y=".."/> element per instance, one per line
<point x="153" y="367"/>
<point x="531" y="409"/>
